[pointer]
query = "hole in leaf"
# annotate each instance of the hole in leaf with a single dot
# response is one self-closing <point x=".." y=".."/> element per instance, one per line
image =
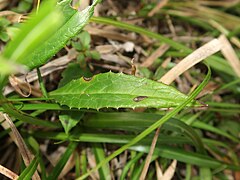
<point x="139" y="98"/>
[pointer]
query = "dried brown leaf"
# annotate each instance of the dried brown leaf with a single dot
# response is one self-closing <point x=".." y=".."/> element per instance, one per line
<point x="229" y="53"/>
<point x="168" y="174"/>
<point x="8" y="173"/>
<point x="192" y="59"/>
<point x="17" y="138"/>
<point x="156" y="54"/>
<point x="157" y="7"/>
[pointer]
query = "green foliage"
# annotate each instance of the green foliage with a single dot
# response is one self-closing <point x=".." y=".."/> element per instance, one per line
<point x="26" y="41"/>
<point x="23" y="6"/>
<point x="33" y="51"/>
<point x="29" y="171"/>
<point x="3" y="33"/>
<point x="70" y="120"/>
<point x="99" y="153"/>
<point x="73" y="71"/>
<point x="58" y="24"/>
<point x="117" y="91"/>
<point x="81" y="43"/>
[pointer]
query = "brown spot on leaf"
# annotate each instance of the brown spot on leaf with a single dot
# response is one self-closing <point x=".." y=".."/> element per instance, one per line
<point x="139" y="98"/>
<point x="87" y="78"/>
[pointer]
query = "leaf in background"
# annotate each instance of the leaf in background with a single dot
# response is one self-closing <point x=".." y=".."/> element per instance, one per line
<point x="70" y="120"/>
<point x="73" y="22"/>
<point x="85" y="39"/>
<point x="118" y="91"/>
<point x="127" y="121"/>
<point x="186" y="157"/>
<point x="46" y="33"/>
<point x="33" y="33"/>
<point x="230" y="128"/>
<point x="73" y="71"/>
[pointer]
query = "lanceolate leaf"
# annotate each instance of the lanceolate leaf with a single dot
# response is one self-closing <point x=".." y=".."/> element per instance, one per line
<point x="74" y="21"/>
<point x="46" y="33"/>
<point x="117" y="91"/>
<point x="33" y="33"/>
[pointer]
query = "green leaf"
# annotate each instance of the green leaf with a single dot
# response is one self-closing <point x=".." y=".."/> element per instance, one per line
<point x="85" y="39"/>
<point x="73" y="71"/>
<point x="205" y="173"/>
<point x="33" y="33"/>
<point x="130" y="163"/>
<point x="163" y="149"/>
<point x="46" y="33"/>
<point x="218" y="130"/>
<point x="93" y="54"/>
<point x="30" y="170"/>
<point x="4" y="36"/>
<point x="153" y="126"/>
<point x="73" y="22"/>
<point x="118" y="91"/>
<point x="70" y="120"/>
<point x="127" y="121"/>
<point x="99" y="153"/>
<point x="186" y="157"/>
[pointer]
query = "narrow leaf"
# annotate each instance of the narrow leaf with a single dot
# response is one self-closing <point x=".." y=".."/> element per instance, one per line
<point x="127" y="121"/>
<point x="117" y="91"/>
<point x="186" y="157"/>
<point x="99" y="153"/>
<point x="29" y="171"/>
<point x="33" y="33"/>
<point x="73" y="22"/>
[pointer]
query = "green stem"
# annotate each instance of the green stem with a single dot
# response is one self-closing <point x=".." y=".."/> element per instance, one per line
<point x="40" y="79"/>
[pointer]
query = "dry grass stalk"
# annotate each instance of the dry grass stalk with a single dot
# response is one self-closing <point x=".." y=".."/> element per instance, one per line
<point x="168" y="174"/>
<point x="222" y="3"/>
<point x="17" y="138"/>
<point x="192" y="59"/>
<point x="229" y="53"/>
<point x="8" y="173"/>
<point x="157" y="7"/>
<point x="159" y="172"/>
<point x="68" y="166"/>
<point x="149" y="156"/>
<point x="18" y="85"/>
<point x="157" y="53"/>
<point x="224" y="31"/>
<point x="13" y="16"/>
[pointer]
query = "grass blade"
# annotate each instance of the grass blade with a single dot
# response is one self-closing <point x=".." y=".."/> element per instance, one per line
<point x="30" y="170"/>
